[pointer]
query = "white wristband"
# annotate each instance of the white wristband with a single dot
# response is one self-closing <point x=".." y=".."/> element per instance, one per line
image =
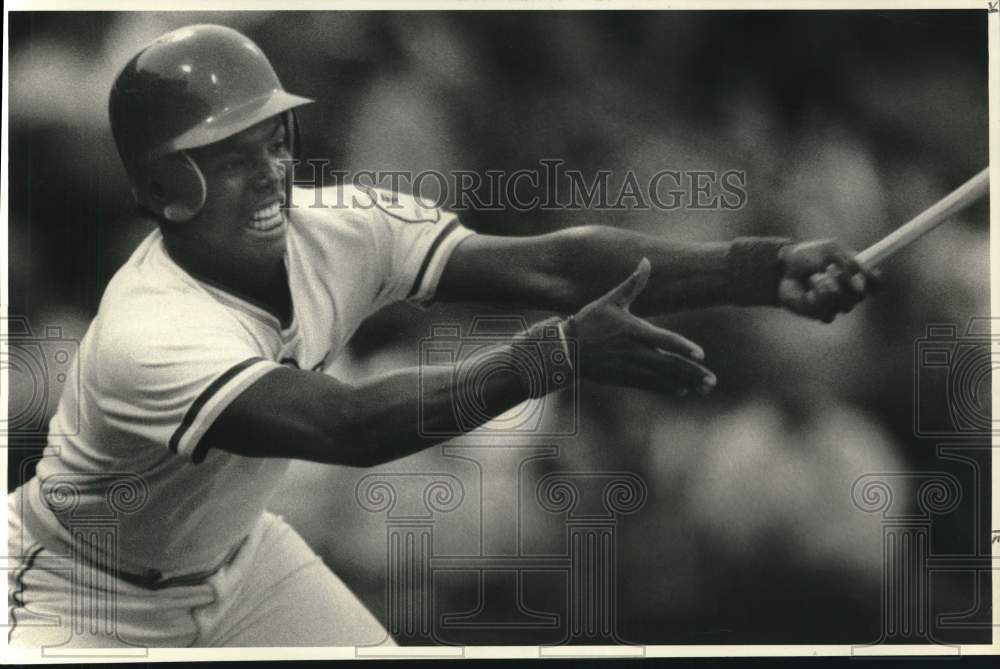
<point x="565" y="345"/>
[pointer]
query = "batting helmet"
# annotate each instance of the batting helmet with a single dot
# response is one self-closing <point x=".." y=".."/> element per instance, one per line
<point x="189" y="88"/>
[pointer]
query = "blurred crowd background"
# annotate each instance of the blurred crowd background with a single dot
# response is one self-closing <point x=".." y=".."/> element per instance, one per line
<point x="846" y="124"/>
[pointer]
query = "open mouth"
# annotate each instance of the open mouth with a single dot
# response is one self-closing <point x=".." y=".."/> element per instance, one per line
<point x="267" y="218"/>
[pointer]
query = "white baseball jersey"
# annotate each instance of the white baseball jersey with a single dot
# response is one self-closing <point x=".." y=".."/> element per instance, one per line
<point x="167" y="352"/>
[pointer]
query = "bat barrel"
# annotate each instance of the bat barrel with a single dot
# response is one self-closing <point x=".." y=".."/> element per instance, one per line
<point x="933" y="216"/>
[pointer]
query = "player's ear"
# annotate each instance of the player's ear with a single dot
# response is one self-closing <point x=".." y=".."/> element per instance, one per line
<point x="173" y="187"/>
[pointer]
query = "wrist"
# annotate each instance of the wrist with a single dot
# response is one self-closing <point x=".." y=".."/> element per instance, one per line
<point x="546" y="356"/>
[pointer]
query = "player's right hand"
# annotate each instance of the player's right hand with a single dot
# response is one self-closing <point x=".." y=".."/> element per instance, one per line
<point x="617" y="347"/>
<point x="820" y="279"/>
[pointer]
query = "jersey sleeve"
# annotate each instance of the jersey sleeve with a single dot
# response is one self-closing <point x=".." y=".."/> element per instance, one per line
<point x="413" y="242"/>
<point x="163" y="377"/>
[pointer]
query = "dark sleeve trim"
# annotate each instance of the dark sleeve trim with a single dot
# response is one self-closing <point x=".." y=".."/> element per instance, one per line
<point x="204" y="397"/>
<point x="430" y="256"/>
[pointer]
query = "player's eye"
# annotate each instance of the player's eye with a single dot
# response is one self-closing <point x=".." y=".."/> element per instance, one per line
<point x="233" y="163"/>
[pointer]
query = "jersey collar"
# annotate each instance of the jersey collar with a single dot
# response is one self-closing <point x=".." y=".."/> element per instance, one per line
<point x="241" y="302"/>
<point x="249" y="305"/>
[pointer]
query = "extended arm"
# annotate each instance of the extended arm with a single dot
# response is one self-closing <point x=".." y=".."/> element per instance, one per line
<point x="308" y="415"/>
<point x="311" y="416"/>
<point x="563" y="270"/>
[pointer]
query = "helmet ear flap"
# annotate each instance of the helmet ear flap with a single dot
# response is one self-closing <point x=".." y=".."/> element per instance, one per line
<point x="173" y="187"/>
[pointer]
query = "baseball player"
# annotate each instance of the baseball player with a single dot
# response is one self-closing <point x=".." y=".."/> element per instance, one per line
<point x="202" y="374"/>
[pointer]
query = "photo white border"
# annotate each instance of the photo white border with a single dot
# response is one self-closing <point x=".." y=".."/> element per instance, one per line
<point x="518" y="652"/>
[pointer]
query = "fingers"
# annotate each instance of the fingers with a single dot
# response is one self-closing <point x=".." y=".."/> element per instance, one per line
<point x="625" y="293"/>
<point x="824" y="279"/>
<point x="793" y="295"/>
<point x="867" y="280"/>
<point x="835" y="292"/>
<point x="850" y="287"/>
<point x="858" y="279"/>
<point x="818" y="298"/>
<point x="688" y="374"/>
<point x="661" y="372"/>
<point x="808" y="258"/>
<point x="659" y="338"/>
<point x="843" y="258"/>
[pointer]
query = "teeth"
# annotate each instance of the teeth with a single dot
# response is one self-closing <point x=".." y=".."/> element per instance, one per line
<point x="266" y="218"/>
<point x="266" y="212"/>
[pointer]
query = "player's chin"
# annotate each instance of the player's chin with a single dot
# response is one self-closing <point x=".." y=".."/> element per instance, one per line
<point x="264" y="250"/>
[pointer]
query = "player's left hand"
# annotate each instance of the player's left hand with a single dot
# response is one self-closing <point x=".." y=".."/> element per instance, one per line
<point x="820" y="279"/>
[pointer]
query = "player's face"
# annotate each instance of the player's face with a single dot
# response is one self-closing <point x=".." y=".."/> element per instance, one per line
<point x="243" y="222"/>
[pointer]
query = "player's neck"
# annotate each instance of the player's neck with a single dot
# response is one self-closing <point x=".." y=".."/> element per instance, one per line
<point x="268" y="287"/>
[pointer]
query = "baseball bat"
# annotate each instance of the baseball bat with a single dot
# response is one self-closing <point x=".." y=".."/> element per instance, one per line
<point x="927" y="220"/>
